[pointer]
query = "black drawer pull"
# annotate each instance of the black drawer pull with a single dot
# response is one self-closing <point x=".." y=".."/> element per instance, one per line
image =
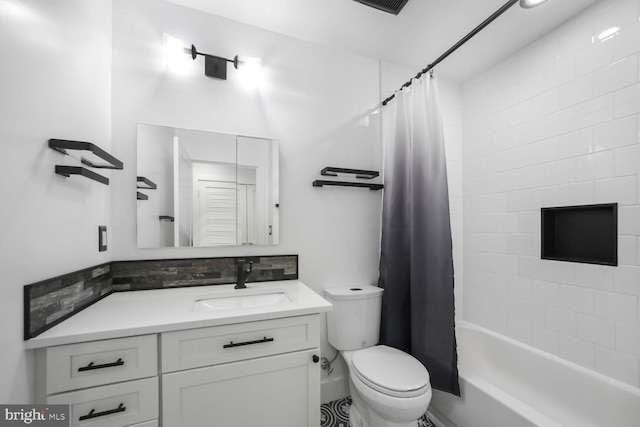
<point x="239" y="344"/>
<point x="91" y="366"/>
<point x="94" y="414"/>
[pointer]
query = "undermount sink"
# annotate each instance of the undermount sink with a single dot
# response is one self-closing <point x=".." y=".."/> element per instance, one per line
<point x="232" y="302"/>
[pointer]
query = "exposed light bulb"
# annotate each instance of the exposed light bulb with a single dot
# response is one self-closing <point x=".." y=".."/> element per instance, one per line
<point x="528" y="4"/>
<point x="250" y="71"/>
<point x="175" y="54"/>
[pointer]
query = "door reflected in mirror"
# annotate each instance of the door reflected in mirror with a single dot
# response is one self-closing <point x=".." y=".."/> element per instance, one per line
<point x="212" y="189"/>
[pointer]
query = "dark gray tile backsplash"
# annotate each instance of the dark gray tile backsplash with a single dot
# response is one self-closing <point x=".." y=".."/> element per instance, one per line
<point x="49" y="302"/>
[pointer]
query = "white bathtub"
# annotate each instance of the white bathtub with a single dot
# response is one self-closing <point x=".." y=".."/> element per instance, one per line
<point x="505" y="383"/>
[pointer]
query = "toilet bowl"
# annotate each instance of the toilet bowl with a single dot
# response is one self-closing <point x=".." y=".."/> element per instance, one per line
<point x="389" y="388"/>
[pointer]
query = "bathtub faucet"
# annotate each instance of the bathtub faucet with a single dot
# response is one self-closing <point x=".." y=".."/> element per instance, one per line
<point x="243" y="274"/>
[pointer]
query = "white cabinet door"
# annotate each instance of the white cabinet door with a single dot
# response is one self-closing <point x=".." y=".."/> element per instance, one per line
<point x="275" y="391"/>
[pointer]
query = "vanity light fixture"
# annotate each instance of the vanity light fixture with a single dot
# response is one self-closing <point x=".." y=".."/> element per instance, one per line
<point x="528" y="4"/>
<point x="214" y="66"/>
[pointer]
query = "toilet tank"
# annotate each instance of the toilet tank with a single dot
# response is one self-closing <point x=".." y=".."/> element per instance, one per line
<point x="354" y="322"/>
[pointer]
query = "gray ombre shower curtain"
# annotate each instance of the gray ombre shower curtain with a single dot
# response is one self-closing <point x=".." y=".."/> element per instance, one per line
<point x="416" y="262"/>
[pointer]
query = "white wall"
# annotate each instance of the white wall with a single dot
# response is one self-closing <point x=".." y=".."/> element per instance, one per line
<point x="557" y="124"/>
<point x="55" y="83"/>
<point x="315" y="100"/>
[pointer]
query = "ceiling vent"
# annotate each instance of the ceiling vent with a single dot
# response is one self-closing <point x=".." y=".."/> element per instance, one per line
<point x="391" y="6"/>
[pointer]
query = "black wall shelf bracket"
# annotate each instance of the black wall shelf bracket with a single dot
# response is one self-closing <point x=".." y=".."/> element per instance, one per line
<point x="141" y="196"/>
<point x="322" y="183"/>
<point x="62" y="145"/>
<point x="167" y="218"/>
<point x="147" y="183"/>
<point x="67" y="171"/>
<point x="359" y="173"/>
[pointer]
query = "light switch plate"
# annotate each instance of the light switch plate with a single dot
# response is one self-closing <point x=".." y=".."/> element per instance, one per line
<point x="102" y="238"/>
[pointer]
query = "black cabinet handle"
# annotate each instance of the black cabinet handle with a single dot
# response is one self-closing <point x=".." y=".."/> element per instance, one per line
<point x="239" y="344"/>
<point x="94" y="414"/>
<point x="91" y="366"/>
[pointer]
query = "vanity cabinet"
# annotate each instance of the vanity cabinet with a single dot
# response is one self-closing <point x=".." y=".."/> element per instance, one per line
<point x="110" y="383"/>
<point x="256" y="373"/>
<point x="263" y="373"/>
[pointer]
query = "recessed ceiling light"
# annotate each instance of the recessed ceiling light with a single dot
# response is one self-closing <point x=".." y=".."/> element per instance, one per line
<point x="528" y="4"/>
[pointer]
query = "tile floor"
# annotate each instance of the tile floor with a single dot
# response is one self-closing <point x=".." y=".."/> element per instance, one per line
<point x="336" y="414"/>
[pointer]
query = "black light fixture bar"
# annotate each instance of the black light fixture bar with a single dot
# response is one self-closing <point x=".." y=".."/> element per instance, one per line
<point x="214" y="66"/>
<point x="67" y="171"/>
<point x="148" y="184"/>
<point x="456" y="46"/>
<point x="359" y="173"/>
<point x="62" y="145"/>
<point x="321" y="183"/>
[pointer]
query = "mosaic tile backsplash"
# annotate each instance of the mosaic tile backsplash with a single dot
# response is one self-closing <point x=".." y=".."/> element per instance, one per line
<point x="50" y="301"/>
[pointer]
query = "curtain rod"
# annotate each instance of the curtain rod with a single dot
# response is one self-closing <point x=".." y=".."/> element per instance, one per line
<point x="453" y="48"/>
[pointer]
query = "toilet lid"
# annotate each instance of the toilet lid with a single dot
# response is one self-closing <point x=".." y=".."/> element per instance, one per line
<point x="390" y="371"/>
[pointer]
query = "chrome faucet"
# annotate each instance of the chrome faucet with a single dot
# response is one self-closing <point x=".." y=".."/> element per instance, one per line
<point x="243" y="274"/>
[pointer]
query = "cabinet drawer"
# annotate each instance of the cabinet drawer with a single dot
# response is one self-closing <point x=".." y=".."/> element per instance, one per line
<point x="222" y="344"/>
<point x="75" y="366"/>
<point x="152" y="423"/>
<point x="114" y="405"/>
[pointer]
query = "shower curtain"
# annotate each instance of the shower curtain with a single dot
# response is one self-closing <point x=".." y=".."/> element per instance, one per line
<point x="416" y="262"/>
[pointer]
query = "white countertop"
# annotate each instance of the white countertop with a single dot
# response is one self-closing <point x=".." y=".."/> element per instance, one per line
<point x="148" y="312"/>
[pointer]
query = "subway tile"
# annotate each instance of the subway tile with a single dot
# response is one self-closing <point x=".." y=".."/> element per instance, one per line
<point x="545" y="103"/>
<point x="581" y="193"/>
<point x="531" y="311"/>
<point x="560" y="73"/>
<point x="560" y="320"/>
<point x="600" y="277"/>
<point x="595" y="166"/>
<point x="519" y="330"/>
<point x="560" y="172"/>
<point x="627" y="280"/>
<point x="506" y="98"/>
<point x="523" y="244"/>
<point x="518" y="157"/>
<point x="542" y="197"/>
<point x="616" y="307"/>
<point x="615" y="134"/>
<point x="628" y="339"/>
<point x="573" y="36"/>
<point x="519" y="287"/>
<point x="546" y="150"/>
<point x="576" y="91"/>
<point x="623" y="190"/>
<point x="618" y="365"/>
<point x="519" y="200"/>
<point x="627" y="101"/>
<point x="595" y="111"/>
<point x="598" y="55"/>
<point x="507" y="305"/>
<point x="529" y="222"/>
<point x="545" y="292"/>
<point x="628" y="250"/>
<point x="577" y="351"/>
<point x="627" y="160"/>
<point x="619" y="14"/>
<point x="531" y="86"/>
<point x="596" y="330"/>
<point x="629" y="220"/>
<point x="531" y="177"/>
<point x="575" y="143"/>
<point x="545" y="340"/>
<point x="617" y="75"/>
<point x="565" y="120"/>
<point x="518" y="113"/>
<point x="626" y="41"/>
<point x="577" y="299"/>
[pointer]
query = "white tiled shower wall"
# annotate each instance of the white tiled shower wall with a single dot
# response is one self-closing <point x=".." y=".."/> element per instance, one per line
<point x="557" y="124"/>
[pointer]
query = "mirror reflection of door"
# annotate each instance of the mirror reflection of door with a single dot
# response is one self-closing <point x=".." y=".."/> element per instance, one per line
<point x="214" y="221"/>
<point x="248" y="219"/>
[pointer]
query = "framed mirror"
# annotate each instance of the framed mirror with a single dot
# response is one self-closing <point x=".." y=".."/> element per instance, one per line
<point x="199" y="188"/>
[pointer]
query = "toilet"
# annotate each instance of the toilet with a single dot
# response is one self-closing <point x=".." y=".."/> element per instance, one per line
<point x="389" y="388"/>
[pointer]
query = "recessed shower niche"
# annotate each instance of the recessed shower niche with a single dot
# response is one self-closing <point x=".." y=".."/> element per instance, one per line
<point x="587" y="234"/>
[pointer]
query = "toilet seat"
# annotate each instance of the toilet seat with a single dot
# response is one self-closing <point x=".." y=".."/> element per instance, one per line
<point x="390" y="371"/>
